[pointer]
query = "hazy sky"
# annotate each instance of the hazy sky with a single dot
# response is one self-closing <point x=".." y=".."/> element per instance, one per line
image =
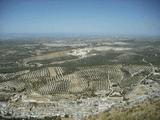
<point x="80" y="16"/>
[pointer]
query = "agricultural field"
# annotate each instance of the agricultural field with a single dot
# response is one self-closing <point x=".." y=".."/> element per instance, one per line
<point x="79" y="78"/>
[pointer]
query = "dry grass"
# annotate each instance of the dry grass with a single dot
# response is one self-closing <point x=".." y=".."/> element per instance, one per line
<point x="46" y="56"/>
<point x="145" y="111"/>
